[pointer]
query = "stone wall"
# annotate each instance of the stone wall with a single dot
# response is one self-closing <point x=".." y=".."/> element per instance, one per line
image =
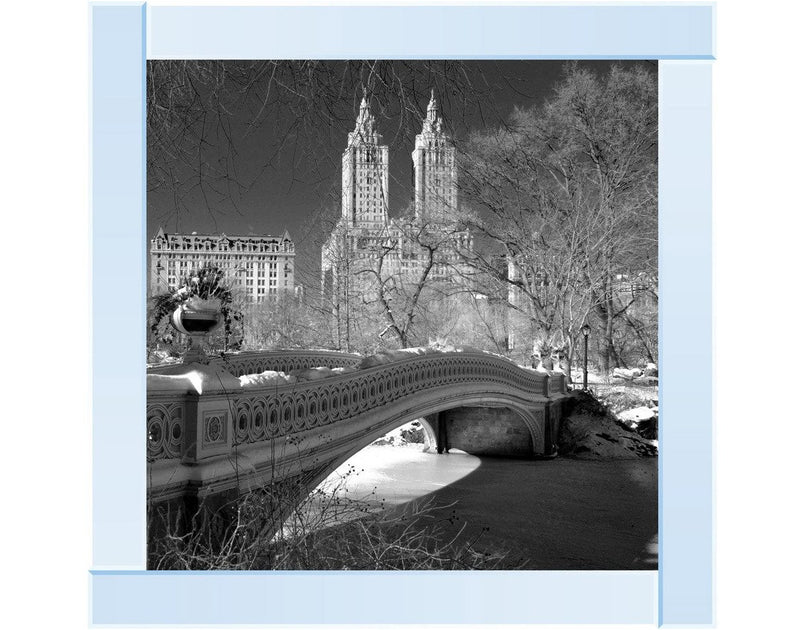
<point x="487" y="431"/>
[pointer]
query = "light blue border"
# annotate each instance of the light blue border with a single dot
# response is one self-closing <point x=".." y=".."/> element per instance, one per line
<point x="685" y="330"/>
<point x="132" y="596"/>
<point x="585" y="31"/>
<point x="118" y="284"/>
<point x="369" y="597"/>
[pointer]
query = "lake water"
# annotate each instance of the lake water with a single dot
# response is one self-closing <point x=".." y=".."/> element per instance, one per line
<point x="550" y="514"/>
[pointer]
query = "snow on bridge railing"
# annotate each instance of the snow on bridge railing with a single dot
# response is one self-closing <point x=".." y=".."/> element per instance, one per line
<point x="255" y="362"/>
<point x="215" y="410"/>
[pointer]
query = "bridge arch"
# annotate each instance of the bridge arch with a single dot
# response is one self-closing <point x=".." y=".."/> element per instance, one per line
<point x="532" y="420"/>
<point x="227" y="440"/>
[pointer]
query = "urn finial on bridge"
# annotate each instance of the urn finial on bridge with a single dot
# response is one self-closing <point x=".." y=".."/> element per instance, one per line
<point x="197" y="318"/>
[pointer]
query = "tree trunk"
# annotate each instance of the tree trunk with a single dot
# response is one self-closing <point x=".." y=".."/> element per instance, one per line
<point x="643" y="342"/>
<point x="606" y="310"/>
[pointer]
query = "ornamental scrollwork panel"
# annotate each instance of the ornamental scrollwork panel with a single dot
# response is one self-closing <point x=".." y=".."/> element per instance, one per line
<point x="215" y="428"/>
<point x="165" y="430"/>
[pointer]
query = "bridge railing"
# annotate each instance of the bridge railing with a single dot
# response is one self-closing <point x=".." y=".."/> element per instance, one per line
<point x="255" y="362"/>
<point x="192" y="427"/>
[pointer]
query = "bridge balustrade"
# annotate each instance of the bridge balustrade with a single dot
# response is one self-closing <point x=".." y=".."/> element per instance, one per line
<point x="191" y="427"/>
<point x="255" y="362"/>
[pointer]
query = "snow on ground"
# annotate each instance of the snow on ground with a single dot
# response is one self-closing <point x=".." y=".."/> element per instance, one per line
<point x="397" y="475"/>
<point x="410" y="434"/>
<point x="621" y="398"/>
<point x="637" y="414"/>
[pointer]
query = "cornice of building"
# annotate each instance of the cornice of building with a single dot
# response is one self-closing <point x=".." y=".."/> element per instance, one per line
<point x="220" y="237"/>
<point x="273" y="245"/>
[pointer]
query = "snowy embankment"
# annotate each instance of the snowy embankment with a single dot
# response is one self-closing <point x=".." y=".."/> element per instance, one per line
<point x="591" y="430"/>
<point x="410" y="434"/>
<point x="631" y="396"/>
<point x="634" y="406"/>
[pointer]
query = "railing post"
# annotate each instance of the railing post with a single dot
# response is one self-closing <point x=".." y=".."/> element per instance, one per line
<point x="207" y="428"/>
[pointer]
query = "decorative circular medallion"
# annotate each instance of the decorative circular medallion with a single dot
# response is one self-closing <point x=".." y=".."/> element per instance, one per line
<point x="214" y="429"/>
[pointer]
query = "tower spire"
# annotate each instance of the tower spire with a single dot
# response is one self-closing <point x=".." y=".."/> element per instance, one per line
<point x="434" y="174"/>
<point x="364" y="102"/>
<point x="364" y="174"/>
<point x="365" y="125"/>
<point x="433" y="122"/>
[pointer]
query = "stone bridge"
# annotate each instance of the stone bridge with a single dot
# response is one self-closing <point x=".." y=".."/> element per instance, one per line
<point x="209" y="436"/>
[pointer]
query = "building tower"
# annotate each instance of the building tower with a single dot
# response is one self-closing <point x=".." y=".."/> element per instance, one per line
<point x="434" y="173"/>
<point x="367" y="252"/>
<point x="365" y="173"/>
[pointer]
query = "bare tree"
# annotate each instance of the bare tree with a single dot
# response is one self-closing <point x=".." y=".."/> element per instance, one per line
<point x="283" y="320"/>
<point x="612" y="130"/>
<point x="408" y="272"/>
<point x="567" y="192"/>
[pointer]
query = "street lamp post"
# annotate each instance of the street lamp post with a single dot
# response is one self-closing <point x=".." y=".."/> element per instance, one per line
<point x="585" y="330"/>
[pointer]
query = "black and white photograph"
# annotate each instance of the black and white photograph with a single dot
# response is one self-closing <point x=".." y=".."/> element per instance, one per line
<point x="363" y="314"/>
<point x="402" y="315"/>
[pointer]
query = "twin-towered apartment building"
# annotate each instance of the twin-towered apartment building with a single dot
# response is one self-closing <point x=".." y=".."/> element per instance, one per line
<point x="364" y="233"/>
<point x="262" y="266"/>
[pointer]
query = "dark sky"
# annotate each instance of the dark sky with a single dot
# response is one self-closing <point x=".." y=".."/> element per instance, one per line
<point x="293" y="182"/>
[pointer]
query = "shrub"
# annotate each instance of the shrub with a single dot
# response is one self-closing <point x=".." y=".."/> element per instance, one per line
<point x="326" y="531"/>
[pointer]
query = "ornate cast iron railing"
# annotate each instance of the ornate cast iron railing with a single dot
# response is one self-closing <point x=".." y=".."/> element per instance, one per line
<point x="241" y="363"/>
<point x="194" y="427"/>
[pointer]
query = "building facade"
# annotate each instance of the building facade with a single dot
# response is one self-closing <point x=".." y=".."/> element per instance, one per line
<point x="366" y="247"/>
<point x="434" y="170"/>
<point x="256" y="266"/>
